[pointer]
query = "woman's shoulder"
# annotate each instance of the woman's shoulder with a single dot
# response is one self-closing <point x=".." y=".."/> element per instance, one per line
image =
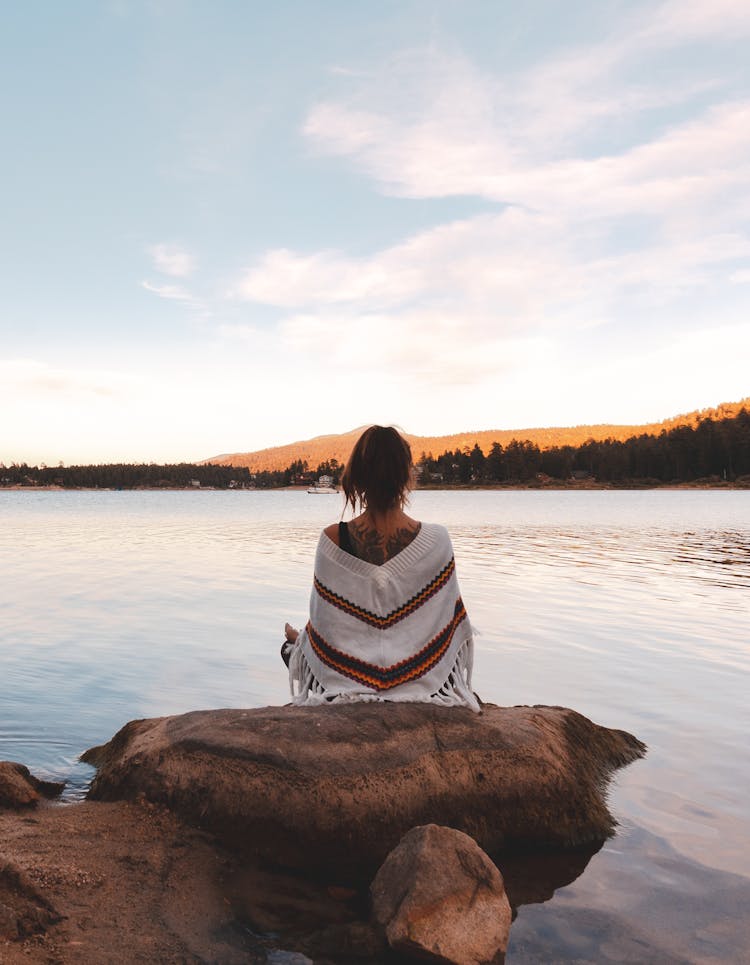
<point x="436" y="532"/>
<point x="332" y="532"/>
<point x="438" y="536"/>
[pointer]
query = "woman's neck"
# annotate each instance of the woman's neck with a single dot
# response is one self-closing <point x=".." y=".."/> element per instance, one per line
<point x="385" y="522"/>
<point x="377" y="537"/>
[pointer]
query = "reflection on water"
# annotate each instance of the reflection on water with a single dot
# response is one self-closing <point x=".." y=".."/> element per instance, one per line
<point x="632" y="607"/>
<point x="639" y="901"/>
<point x="533" y="878"/>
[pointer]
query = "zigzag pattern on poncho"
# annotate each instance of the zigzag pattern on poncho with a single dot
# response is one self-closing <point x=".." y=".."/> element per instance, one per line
<point x="395" y="615"/>
<point x="383" y="678"/>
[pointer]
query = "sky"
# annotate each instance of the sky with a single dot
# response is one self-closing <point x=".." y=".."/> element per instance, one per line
<point x="230" y="225"/>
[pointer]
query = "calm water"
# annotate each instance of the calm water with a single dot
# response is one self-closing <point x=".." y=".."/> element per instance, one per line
<point x="632" y="607"/>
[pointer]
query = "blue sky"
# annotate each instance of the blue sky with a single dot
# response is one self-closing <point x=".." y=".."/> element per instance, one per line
<point x="228" y="225"/>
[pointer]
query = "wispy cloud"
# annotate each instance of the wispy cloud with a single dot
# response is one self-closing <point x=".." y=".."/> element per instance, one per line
<point x="35" y="377"/>
<point x="518" y="147"/>
<point x="456" y="302"/>
<point x="412" y="349"/>
<point x="342" y="71"/>
<point x="172" y="292"/>
<point x="677" y="21"/>
<point x="172" y="260"/>
<point x="590" y="128"/>
<point x="287" y="279"/>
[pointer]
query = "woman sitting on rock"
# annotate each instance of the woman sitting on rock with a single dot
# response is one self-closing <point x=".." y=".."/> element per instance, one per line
<point x="386" y="617"/>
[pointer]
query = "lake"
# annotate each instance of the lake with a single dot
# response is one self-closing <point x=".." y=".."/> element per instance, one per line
<point x="631" y="607"/>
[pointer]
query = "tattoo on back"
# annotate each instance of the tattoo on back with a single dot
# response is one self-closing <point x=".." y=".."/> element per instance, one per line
<point x="372" y="546"/>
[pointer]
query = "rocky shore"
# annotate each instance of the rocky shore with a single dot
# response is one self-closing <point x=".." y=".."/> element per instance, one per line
<point x="256" y="835"/>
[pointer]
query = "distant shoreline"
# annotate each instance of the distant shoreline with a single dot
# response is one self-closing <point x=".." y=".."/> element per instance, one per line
<point x="558" y="486"/>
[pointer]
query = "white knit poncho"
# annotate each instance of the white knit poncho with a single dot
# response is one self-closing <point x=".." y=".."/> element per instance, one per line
<point x="393" y="632"/>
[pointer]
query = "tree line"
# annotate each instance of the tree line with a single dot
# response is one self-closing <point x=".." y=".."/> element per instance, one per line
<point x="712" y="449"/>
<point x="124" y="476"/>
<point x="184" y="475"/>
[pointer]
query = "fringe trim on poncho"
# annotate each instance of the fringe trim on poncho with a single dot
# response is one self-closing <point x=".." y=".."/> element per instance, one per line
<point x="455" y="692"/>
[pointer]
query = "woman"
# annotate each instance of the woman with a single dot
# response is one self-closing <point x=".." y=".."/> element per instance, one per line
<point x="386" y="617"/>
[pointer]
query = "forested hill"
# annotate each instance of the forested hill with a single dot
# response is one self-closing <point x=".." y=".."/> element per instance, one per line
<point x="324" y="448"/>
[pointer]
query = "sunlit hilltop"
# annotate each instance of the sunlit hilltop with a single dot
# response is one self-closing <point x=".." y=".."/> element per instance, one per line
<point x="322" y="448"/>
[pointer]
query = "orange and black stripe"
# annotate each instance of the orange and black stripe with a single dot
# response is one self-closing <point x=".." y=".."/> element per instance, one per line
<point x="400" y="613"/>
<point x="384" y="678"/>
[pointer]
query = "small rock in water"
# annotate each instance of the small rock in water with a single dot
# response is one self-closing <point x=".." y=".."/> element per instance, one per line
<point x="20" y="789"/>
<point x="439" y="897"/>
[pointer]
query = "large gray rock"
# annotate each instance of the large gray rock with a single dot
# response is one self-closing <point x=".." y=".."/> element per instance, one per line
<point x="334" y="788"/>
<point x="439" y="897"/>
<point x="20" y="789"/>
